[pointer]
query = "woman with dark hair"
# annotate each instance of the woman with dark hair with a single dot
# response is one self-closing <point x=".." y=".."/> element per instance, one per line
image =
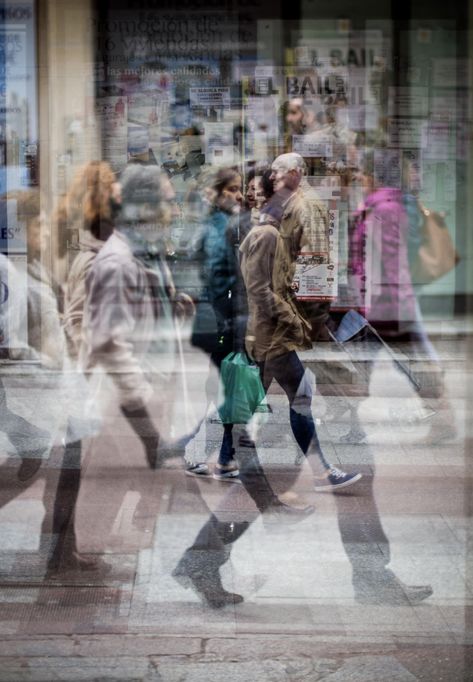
<point x="219" y="275"/>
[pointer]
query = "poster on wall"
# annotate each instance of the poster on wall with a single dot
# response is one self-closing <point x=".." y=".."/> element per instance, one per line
<point x="314" y="278"/>
<point x="316" y="273"/>
<point x="112" y="116"/>
<point x="407" y="133"/>
<point x="210" y="97"/>
<point x="312" y="146"/>
<point x="13" y="302"/>
<point x="19" y="170"/>
<point x="219" y="149"/>
<point x="387" y="167"/>
<point x="12" y="230"/>
<point x="408" y="101"/>
<point x="261" y="115"/>
<point x="18" y="129"/>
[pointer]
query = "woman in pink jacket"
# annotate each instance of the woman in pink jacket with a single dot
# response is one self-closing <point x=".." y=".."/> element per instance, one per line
<point x="380" y="278"/>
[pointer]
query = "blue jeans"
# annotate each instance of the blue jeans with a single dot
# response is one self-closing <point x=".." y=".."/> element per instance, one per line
<point x="226" y="449"/>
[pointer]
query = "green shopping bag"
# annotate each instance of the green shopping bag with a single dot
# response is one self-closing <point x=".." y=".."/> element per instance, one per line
<point x="241" y="389"/>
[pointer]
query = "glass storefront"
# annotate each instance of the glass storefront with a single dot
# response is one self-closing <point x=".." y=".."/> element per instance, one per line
<point x="195" y="87"/>
<point x="204" y="86"/>
<point x="19" y="172"/>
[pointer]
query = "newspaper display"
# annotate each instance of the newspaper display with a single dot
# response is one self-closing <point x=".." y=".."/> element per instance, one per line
<point x="112" y="115"/>
<point x="316" y="274"/>
<point x="13" y="302"/>
<point x="178" y="92"/>
<point x="407" y="133"/>
<point x="262" y="115"/>
<point x="219" y="143"/>
<point x="387" y="167"/>
<point x="408" y="101"/>
<point x="312" y="147"/>
<point x="214" y="97"/>
<point x="448" y="71"/>
<point x="19" y="164"/>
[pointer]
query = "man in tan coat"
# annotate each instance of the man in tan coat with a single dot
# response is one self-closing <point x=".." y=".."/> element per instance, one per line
<point x="279" y="325"/>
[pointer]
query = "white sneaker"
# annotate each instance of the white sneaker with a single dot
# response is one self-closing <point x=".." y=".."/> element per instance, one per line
<point x="227" y="472"/>
<point x="200" y="470"/>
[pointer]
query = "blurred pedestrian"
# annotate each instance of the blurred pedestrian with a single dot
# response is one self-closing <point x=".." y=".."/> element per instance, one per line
<point x="129" y="327"/>
<point x="380" y="258"/>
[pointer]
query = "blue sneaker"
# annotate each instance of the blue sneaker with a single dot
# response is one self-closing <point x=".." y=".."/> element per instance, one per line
<point x="335" y="480"/>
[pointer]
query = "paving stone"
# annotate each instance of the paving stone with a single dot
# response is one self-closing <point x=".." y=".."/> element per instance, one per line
<point x="36" y="647"/>
<point x="96" y="645"/>
<point x="257" y="647"/>
<point x="309" y="670"/>
<point x="256" y="671"/>
<point x="372" y="669"/>
<point x="74" y="669"/>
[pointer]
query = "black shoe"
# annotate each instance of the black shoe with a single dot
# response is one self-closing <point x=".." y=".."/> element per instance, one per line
<point x="417" y="593"/>
<point x="151" y="446"/>
<point x="278" y="513"/>
<point x="354" y="435"/>
<point x="77" y="563"/>
<point x="28" y="468"/>
<point x="409" y="594"/>
<point x="246" y="442"/>
<point x="230" y="532"/>
<point x="140" y="421"/>
<point x="208" y="588"/>
<point x="385" y="588"/>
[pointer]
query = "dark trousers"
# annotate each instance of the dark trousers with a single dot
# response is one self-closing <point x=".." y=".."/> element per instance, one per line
<point x="289" y="372"/>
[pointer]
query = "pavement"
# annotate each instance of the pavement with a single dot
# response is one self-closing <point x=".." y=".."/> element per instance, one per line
<point x="316" y="606"/>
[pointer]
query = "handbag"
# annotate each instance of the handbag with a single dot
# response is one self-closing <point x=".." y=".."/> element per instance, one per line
<point x="437" y="254"/>
<point x="205" y="333"/>
<point x="241" y="390"/>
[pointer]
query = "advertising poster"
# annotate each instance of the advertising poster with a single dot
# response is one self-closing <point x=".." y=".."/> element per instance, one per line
<point x="316" y="274"/>
<point x="441" y="144"/>
<point x="314" y="278"/>
<point x="261" y="115"/>
<point x="408" y="101"/>
<point x="387" y="167"/>
<point x="210" y="97"/>
<point x="18" y="104"/>
<point x="112" y="115"/>
<point x="310" y="146"/>
<point x="219" y="143"/>
<point x="407" y="133"/>
<point x="19" y="168"/>
<point x="13" y="301"/>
